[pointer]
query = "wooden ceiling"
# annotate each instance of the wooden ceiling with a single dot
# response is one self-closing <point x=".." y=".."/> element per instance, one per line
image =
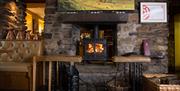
<point x="35" y="1"/>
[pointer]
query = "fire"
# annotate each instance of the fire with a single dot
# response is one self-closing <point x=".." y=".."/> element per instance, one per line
<point x="90" y="48"/>
<point x="99" y="48"/>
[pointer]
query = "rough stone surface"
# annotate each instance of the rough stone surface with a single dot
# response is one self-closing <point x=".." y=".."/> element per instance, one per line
<point x="129" y="39"/>
<point x="104" y="73"/>
<point x="126" y="42"/>
<point x="133" y="18"/>
<point x="51" y="3"/>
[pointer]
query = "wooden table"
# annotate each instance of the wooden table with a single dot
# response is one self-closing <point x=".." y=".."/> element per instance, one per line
<point x="131" y="59"/>
<point x="50" y="59"/>
<point x="135" y="68"/>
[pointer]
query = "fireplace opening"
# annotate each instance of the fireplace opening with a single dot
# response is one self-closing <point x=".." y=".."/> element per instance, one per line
<point x="97" y="42"/>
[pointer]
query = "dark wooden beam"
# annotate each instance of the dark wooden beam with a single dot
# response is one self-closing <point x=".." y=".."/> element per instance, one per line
<point x="175" y="6"/>
<point x="35" y="1"/>
<point x="93" y="18"/>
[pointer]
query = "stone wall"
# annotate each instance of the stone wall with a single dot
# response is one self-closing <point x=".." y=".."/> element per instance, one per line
<point x="61" y="39"/>
<point x="131" y="35"/>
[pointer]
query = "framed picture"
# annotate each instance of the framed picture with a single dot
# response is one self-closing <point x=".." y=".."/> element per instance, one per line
<point x="95" y="5"/>
<point x="152" y="12"/>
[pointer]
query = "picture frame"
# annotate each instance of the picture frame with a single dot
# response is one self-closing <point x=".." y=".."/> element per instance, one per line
<point x="95" y="5"/>
<point x="153" y="12"/>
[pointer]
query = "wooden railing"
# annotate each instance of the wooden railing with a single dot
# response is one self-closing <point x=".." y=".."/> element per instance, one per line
<point x="50" y="59"/>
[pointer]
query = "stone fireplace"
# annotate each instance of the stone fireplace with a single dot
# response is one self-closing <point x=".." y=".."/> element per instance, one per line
<point x="61" y="38"/>
<point x="62" y="35"/>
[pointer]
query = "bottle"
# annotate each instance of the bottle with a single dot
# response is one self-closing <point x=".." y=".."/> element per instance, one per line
<point x="146" y="48"/>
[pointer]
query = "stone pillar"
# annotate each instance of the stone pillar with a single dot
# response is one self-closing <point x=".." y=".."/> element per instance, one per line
<point x="59" y="38"/>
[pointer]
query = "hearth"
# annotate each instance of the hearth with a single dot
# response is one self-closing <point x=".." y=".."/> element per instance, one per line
<point x="95" y="48"/>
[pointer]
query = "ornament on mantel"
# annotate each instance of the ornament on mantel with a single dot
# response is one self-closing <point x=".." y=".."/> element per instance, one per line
<point x="28" y="36"/>
<point x="36" y="37"/>
<point x="20" y="35"/>
<point x="10" y="35"/>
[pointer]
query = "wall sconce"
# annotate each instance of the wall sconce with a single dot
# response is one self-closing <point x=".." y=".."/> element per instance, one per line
<point x="40" y="30"/>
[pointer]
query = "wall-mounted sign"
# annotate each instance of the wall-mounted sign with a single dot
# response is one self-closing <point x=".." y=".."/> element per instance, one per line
<point x="153" y="12"/>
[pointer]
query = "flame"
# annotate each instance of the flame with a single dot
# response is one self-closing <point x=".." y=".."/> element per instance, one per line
<point x="90" y="48"/>
<point x="99" y="48"/>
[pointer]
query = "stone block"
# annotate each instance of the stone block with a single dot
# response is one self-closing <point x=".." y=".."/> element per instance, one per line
<point x="124" y="30"/>
<point x="143" y="28"/>
<point x="55" y="29"/>
<point x="133" y="18"/>
<point x="50" y="10"/>
<point x="57" y="23"/>
<point x="57" y="35"/>
<point x="48" y="35"/>
<point x="67" y="34"/>
<point x="64" y="26"/>
<point x="160" y="40"/>
<point x="51" y="3"/>
<point x="159" y="47"/>
<point x="48" y="28"/>
<point x="50" y="18"/>
<point x="151" y="69"/>
<point x="126" y="45"/>
<point x="51" y="44"/>
<point x="67" y="41"/>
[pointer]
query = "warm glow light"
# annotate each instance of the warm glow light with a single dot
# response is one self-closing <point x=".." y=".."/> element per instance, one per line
<point x="90" y="48"/>
<point x="40" y="30"/>
<point x="99" y="48"/>
<point x="29" y="21"/>
<point x="41" y="26"/>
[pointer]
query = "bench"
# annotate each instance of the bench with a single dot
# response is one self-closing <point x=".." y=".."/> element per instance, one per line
<point x="16" y="58"/>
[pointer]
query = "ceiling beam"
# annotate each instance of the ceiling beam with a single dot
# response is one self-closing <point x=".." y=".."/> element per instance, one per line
<point x="35" y="1"/>
<point x="175" y="6"/>
<point x="35" y="5"/>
